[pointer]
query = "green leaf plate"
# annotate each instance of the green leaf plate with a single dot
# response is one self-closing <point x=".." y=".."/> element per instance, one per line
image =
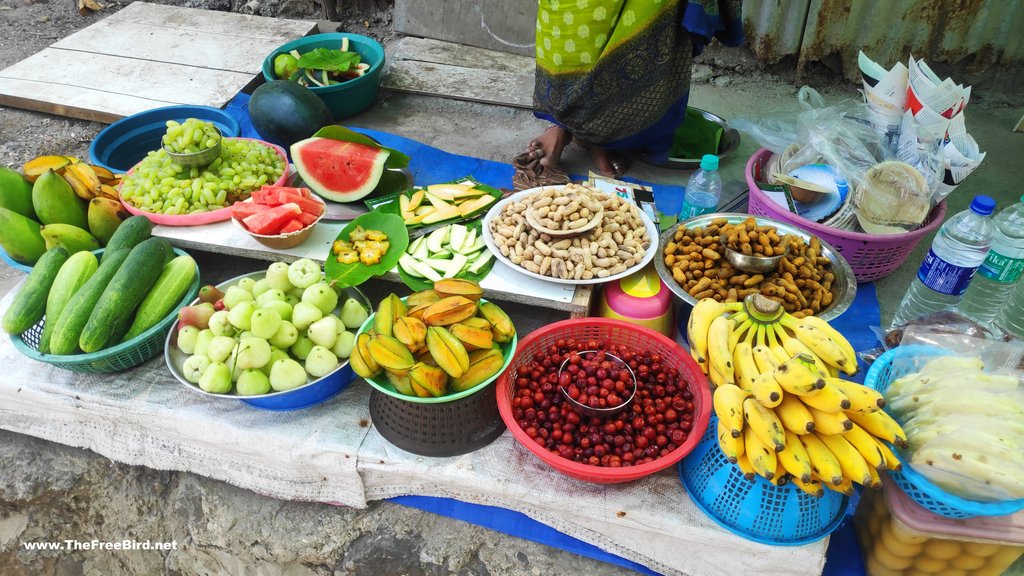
<point x="396" y="176"/>
<point x="388" y="203"/>
<point x="354" y="274"/>
<point x="417" y="284"/>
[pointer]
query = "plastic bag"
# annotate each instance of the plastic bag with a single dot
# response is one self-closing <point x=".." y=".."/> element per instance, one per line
<point x="892" y="186"/>
<point x="962" y="413"/>
<point x="936" y="323"/>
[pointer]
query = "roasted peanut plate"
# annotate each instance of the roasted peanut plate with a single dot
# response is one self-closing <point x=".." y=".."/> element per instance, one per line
<point x="581" y="251"/>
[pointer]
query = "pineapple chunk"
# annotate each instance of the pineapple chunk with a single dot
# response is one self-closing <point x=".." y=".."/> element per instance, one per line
<point x="376" y="235"/>
<point x="357" y="235"/>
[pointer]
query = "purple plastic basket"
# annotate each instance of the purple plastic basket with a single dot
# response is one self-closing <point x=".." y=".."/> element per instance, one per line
<point x="871" y="256"/>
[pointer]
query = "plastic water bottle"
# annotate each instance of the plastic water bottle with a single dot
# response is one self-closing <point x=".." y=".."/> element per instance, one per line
<point x="1011" y="314"/>
<point x="703" y="190"/>
<point x="956" y="253"/>
<point x="1001" y="269"/>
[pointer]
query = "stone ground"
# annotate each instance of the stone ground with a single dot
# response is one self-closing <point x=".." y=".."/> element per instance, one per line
<point x="49" y="491"/>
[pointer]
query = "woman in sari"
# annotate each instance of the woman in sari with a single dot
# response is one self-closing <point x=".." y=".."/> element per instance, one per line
<point x="614" y="75"/>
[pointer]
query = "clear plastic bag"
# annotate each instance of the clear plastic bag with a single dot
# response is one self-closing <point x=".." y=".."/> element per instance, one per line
<point x="892" y="185"/>
<point x="963" y="413"/>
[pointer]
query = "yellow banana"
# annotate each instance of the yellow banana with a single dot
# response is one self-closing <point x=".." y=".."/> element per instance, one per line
<point x="732" y="446"/>
<point x="850" y="461"/>
<point x="720" y="367"/>
<point x="823" y="346"/>
<point x="764" y="358"/>
<point x="728" y="404"/>
<point x="743" y="463"/>
<point x="828" y="424"/>
<point x="794" y="458"/>
<point x="774" y="343"/>
<point x="880" y="425"/>
<point x="794" y="415"/>
<point x="797" y="376"/>
<point x="844" y="344"/>
<point x="876" y="479"/>
<point x="866" y="445"/>
<point x="891" y="461"/>
<point x="743" y="327"/>
<point x="767" y="390"/>
<point x="703" y="313"/>
<point x="862" y="398"/>
<point x="745" y="368"/>
<point x="795" y="346"/>
<point x="846" y="487"/>
<point x="813" y="487"/>
<point x="702" y="362"/>
<point x="826" y="466"/>
<point x="780" y="479"/>
<point x="829" y="399"/>
<point x="765" y="424"/>
<point x="760" y="455"/>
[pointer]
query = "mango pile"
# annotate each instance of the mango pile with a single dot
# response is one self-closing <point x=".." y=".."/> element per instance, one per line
<point x="57" y="202"/>
<point x="434" y="342"/>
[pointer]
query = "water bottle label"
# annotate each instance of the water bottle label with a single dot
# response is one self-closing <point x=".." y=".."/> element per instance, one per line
<point x="1001" y="268"/>
<point x="943" y="277"/>
<point x="689" y="210"/>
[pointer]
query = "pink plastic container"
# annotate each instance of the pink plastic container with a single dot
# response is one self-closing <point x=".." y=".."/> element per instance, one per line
<point x="871" y="256"/>
<point x="212" y="216"/>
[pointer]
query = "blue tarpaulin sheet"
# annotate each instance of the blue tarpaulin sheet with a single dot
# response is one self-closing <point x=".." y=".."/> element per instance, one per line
<point x="431" y="165"/>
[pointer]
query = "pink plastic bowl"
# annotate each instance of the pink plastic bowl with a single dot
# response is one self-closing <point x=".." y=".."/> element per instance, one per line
<point x="212" y="216"/>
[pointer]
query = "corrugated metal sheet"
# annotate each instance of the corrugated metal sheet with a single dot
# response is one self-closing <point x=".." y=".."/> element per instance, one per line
<point x="774" y="28"/>
<point x="984" y="32"/>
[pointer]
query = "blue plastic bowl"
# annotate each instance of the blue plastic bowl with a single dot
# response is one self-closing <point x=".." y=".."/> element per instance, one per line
<point x="311" y="394"/>
<point x="126" y="142"/>
<point x="756" y="510"/>
<point x="352" y="96"/>
<point x="14" y="263"/>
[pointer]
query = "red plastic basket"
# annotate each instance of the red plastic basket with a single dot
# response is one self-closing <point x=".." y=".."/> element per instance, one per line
<point x="871" y="256"/>
<point x="619" y="333"/>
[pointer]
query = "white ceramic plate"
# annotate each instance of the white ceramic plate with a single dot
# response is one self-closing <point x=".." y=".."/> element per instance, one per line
<point x="652" y="236"/>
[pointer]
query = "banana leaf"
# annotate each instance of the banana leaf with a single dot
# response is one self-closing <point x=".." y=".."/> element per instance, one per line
<point x="417" y="284"/>
<point x="345" y="275"/>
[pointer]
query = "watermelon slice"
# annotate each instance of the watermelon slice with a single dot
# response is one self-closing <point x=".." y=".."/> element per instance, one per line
<point x="306" y="218"/>
<point x="270" y="221"/>
<point x="242" y="210"/>
<point x="292" y="226"/>
<point x="279" y="197"/>
<point x="339" y="171"/>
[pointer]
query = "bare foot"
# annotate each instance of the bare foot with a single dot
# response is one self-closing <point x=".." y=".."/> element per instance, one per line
<point x="607" y="164"/>
<point x="550" y="144"/>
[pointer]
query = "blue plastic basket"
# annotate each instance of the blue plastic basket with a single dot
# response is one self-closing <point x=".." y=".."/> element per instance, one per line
<point x="14" y="263"/>
<point x="756" y="510"/>
<point x="917" y="487"/>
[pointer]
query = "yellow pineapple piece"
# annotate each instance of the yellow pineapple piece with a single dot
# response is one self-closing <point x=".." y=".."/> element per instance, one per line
<point x="376" y="235"/>
<point x="340" y="246"/>
<point x="357" y="235"/>
<point x="348" y="257"/>
<point x="370" y="256"/>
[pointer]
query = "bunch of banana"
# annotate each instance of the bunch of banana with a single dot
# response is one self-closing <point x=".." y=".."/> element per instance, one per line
<point x="87" y="180"/>
<point x="435" y="342"/>
<point x="796" y="423"/>
<point x="736" y="342"/>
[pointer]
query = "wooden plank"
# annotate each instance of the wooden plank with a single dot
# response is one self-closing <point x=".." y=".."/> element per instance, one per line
<point x="582" y="301"/>
<point x="438" y="52"/>
<point x="493" y="24"/>
<point x="157" y="43"/>
<point x="227" y="23"/>
<point x="62" y="80"/>
<point x="502" y="283"/>
<point x="488" y="86"/>
<point x="94" y="105"/>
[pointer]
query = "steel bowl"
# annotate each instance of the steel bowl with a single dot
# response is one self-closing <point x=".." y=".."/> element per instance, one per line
<point x="844" y="287"/>
<point x="314" y="392"/>
<point x="751" y="263"/>
<point x="197" y="159"/>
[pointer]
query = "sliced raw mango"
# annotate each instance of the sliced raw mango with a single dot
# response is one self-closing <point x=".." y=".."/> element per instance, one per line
<point x="470" y="206"/>
<point x="437" y="239"/>
<point x="441" y="215"/>
<point x="409" y="264"/>
<point x="481" y="261"/>
<point x="455" y="265"/>
<point x="457" y="237"/>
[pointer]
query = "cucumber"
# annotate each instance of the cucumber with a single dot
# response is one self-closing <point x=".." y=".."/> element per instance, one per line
<point x="71" y="277"/>
<point x="111" y="317"/>
<point x="29" y="303"/>
<point x="169" y="289"/>
<point x="129" y="234"/>
<point x="76" y="314"/>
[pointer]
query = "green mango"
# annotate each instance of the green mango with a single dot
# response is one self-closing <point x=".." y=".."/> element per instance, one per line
<point x="105" y="216"/>
<point x="20" y="237"/>
<point x="56" y="202"/>
<point x="71" y="238"/>
<point x="16" y="193"/>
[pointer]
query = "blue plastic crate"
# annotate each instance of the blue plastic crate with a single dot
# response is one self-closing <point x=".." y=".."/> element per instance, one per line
<point x="757" y="510"/>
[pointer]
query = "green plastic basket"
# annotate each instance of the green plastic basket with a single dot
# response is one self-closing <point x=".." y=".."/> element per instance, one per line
<point x="117" y="358"/>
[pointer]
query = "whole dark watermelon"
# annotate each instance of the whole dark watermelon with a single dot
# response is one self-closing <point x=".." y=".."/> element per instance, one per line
<point x="284" y="112"/>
